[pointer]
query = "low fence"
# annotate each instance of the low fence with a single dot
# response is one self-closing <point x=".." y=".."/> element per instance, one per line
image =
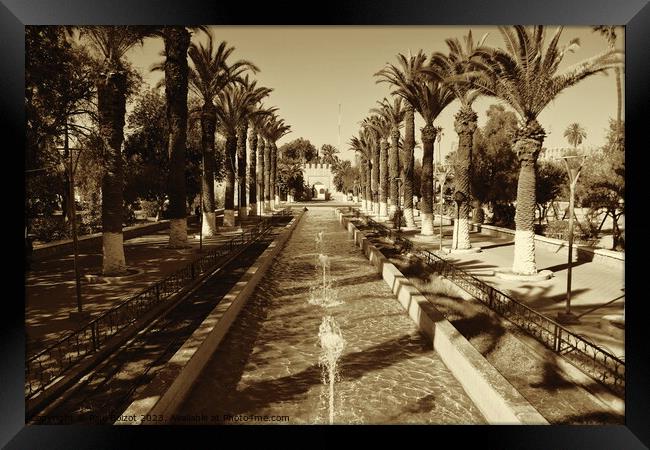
<point x="49" y="365"/>
<point x="596" y="362"/>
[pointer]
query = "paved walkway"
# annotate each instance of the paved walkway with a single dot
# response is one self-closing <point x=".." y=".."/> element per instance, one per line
<point x="597" y="289"/>
<point x="50" y="284"/>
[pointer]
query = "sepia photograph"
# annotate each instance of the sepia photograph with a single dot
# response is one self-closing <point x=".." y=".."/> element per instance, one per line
<point x="325" y="225"/>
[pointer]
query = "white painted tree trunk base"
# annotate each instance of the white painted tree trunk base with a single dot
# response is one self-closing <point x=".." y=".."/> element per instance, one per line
<point x="113" y="262"/>
<point x="228" y="218"/>
<point x="267" y="205"/>
<point x="178" y="233"/>
<point x="392" y="210"/>
<point x="252" y="209"/>
<point x="524" y="259"/>
<point x="209" y="226"/>
<point x="427" y="224"/>
<point x="272" y="204"/>
<point x="460" y="240"/>
<point x="408" y="218"/>
<point x="383" y="210"/>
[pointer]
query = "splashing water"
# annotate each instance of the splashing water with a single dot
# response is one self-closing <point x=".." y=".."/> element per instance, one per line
<point x="332" y="344"/>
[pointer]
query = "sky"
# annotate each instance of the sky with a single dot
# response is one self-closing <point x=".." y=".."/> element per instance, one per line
<point x="317" y="71"/>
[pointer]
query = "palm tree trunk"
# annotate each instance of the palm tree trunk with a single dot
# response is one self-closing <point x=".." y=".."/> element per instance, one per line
<point x="267" y="176"/>
<point x="375" y="178"/>
<point x="229" y="198"/>
<point x="261" y="168"/>
<point x="362" y="185"/>
<point x="368" y="169"/>
<point x="393" y="172"/>
<point x="383" y="179"/>
<point x="465" y="125"/>
<point x="252" y="178"/>
<point x="527" y="150"/>
<point x="428" y="136"/>
<point x="274" y="175"/>
<point x="242" y="130"/>
<point x="408" y="166"/>
<point x="111" y="107"/>
<point x="177" y="41"/>
<point x="208" y="206"/>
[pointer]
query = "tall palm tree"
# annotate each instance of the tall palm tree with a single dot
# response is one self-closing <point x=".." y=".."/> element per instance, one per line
<point x="256" y="159"/>
<point x="177" y="43"/>
<point x="609" y="33"/>
<point x="209" y="74"/>
<point x="401" y="78"/>
<point x="274" y="130"/>
<point x="394" y="114"/>
<point x="429" y="98"/>
<point x="363" y="148"/>
<point x="234" y="105"/>
<point x="374" y="140"/>
<point x="382" y="127"/>
<point x="251" y="110"/>
<point x="457" y="69"/>
<point x="112" y="43"/>
<point x="525" y="75"/>
<point x="575" y="134"/>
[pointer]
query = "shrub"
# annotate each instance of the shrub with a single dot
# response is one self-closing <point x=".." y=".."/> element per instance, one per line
<point x="49" y="228"/>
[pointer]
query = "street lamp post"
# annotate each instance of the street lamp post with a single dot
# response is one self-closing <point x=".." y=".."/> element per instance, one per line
<point x="73" y="222"/>
<point x="573" y="165"/>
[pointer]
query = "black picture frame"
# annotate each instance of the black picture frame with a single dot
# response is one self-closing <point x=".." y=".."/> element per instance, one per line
<point x="634" y="14"/>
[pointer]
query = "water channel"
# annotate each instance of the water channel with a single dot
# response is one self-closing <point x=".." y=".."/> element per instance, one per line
<point x="273" y="361"/>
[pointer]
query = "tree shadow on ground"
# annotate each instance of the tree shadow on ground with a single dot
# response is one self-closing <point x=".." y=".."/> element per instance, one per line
<point x="290" y="387"/>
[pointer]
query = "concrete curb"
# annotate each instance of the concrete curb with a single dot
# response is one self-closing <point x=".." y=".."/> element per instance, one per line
<point x="499" y="402"/>
<point x="173" y="382"/>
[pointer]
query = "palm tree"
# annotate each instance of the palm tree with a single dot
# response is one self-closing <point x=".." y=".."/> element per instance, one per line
<point x="401" y="78"/>
<point x="374" y="140"/>
<point x="363" y="148"/>
<point x="525" y="75"/>
<point x="382" y="128"/>
<point x="609" y="33"/>
<point x="234" y="105"/>
<point x="112" y="43"/>
<point x="274" y="130"/>
<point x="431" y="97"/>
<point x="208" y="76"/>
<point x="251" y="110"/>
<point x="394" y="114"/>
<point x="457" y="69"/>
<point x="575" y="134"/>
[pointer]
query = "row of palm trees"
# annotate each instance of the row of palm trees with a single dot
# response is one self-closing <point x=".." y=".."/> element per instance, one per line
<point x="231" y="105"/>
<point x="524" y="74"/>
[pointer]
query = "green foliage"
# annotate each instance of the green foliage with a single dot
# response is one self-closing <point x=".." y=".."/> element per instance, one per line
<point x="299" y="150"/>
<point x="289" y="178"/>
<point x="494" y="163"/>
<point x="328" y="155"/>
<point x="345" y="176"/>
<point x="146" y="167"/>
<point x="602" y="180"/>
<point x="552" y="182"/>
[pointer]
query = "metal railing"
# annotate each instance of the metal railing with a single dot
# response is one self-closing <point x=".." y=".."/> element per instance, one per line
<point x="587" y="356"/>
<point x="50" y="364"/>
